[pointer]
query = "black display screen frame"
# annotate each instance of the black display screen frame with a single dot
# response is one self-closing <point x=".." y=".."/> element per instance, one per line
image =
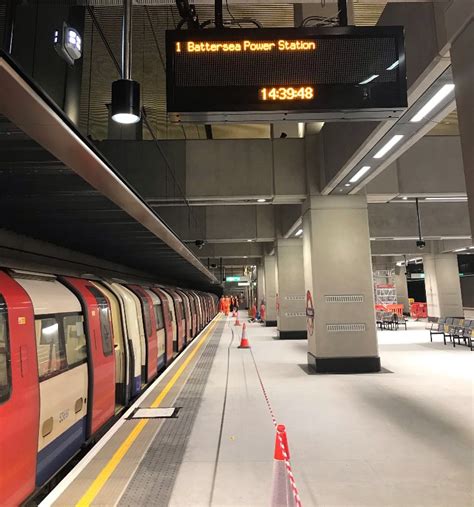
<point x="388" y="98"/>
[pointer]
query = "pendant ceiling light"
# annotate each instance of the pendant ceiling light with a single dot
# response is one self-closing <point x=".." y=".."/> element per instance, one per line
<point x="125" y="91"/>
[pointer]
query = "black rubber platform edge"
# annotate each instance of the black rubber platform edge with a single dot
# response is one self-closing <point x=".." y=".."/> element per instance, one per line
<point x="369" y="364"/>
<point x="292" y="335"/>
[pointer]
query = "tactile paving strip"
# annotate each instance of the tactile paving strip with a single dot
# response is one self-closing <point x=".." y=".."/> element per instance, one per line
<point x="153" y="481"/>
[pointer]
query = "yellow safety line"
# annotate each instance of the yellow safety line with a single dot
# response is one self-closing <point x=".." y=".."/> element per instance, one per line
<point x="113" y="463"/>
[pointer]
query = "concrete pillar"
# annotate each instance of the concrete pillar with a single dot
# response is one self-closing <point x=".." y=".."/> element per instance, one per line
<point x="401" y="287"/>
<point x="463" y="74"/>
<point x="443" y="287"/>
<point x="291" y="313"/>
<point x="260" y="283"/>
<point x="270" y="290"/>
<point x="342" y="337"/>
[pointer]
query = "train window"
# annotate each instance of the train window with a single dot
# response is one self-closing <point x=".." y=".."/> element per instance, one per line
<point x="48" y="347"/>
<point x="104" y="319"/>
<point x="5" y="373"/>
<point x="105" y="329"/>
<point x="146" y="314"/>
<point x="76" y="349"/>
<point x="159" y="317"/>
<point x="181" y="306"/>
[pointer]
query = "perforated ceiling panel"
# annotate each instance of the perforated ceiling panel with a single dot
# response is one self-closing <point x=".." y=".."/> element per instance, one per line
<point x="148" y="66"/>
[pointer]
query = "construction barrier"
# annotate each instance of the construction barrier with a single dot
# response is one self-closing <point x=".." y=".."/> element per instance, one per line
<point x="419" y="310"/>
<point x="398" y="309"/>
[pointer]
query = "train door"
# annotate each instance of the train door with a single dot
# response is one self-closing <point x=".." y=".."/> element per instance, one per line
<point x="149" y="324"/>
<point x="174" y="320"/>
<point x="132" y="333"/>
<point x="61" y="350"/>
<point x="194" y="312"/>
<point x="170" y="330"/>
<point x="101" y="360"/>
<point x="160" y="328"/>
<point x="179" y="313"/>
<point x="192" y="306"/>
<point x="199" y="311"/>
<point x="19" y="393"/>
<point x="122" y="381"/>
<point x="187" y="316"/>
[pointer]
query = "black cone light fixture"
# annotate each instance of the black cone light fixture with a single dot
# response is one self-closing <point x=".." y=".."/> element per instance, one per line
<point x="125" y="91"/>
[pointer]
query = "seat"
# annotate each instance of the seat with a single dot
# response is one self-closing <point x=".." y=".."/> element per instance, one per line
<point x="438" y="329"/>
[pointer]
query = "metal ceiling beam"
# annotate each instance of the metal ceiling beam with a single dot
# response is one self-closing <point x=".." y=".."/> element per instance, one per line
<point x="44" y="123"/>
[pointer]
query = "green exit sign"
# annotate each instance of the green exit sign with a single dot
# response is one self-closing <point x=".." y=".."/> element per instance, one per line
<point x="232" y="278"/>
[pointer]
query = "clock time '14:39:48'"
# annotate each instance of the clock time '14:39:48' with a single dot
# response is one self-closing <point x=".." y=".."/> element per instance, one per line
<point x="286" y="93"/>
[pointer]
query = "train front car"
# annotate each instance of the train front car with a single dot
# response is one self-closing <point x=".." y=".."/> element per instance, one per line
<point x="62" y="371"/>
<point x="19" y="393"/>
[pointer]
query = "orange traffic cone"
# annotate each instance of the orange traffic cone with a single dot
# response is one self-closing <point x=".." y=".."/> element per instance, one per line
<point x="237" y="321"/>
<point x="282" y="494"/>
<point x="244" y="343"/>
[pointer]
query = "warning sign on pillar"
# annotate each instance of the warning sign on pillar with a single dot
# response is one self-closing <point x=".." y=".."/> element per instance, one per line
<point x="309" y="313"/>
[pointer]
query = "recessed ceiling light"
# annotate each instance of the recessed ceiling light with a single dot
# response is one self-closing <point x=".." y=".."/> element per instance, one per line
<point x="347" y="184"/>
<point x="387" y="147"/>
<point x="299" y="232"/>
<point x="405" y="198"/>
<point x="460" y="198"/>
<point x="433" y="102"/>
<point x="394" y="65"/>
<point x="261" y="200"/>
<point x="358" y="175"/>
<point x="249" y="240"/>
<point x="369" y="79"/>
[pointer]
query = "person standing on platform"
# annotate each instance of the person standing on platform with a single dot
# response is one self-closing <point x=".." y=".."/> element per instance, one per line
<point x="262" y="311"/>
<point x="221" y="305"/>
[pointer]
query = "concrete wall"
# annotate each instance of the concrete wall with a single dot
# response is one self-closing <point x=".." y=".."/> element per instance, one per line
<point x="437" y="219"/>
<point x="245" y="168"/>
<point x="434" y="164"/>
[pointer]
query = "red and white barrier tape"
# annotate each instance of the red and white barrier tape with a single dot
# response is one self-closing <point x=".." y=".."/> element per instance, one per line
<point x="289" y="471"/>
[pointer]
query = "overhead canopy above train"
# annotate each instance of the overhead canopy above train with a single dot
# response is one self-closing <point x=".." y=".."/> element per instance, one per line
<point x="57" y="187"/>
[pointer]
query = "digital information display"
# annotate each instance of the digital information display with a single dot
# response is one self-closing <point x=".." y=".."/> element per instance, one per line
<point x="285" y="73"/>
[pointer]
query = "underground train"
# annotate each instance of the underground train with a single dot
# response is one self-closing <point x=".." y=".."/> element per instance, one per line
<point x="73" y="353"/>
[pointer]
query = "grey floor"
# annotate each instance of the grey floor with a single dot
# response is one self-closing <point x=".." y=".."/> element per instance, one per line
<point x="393" y="439"/>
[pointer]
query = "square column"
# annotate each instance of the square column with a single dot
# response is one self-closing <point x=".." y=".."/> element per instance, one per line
<point x="342" y="336"/>
<point x="270" y="290"/>
<point x="463" y="77"/>
<point x="443" y="287"/>
<point x="401" y="287"/>
<point x="260" y="283"/>
<point x="291" y="312"/>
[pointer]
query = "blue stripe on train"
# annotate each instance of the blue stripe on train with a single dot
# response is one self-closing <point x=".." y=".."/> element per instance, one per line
<point x="60" y="451"/>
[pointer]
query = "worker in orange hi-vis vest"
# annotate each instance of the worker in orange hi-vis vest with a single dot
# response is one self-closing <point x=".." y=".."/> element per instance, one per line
<point x="222" y="304"/>
<point x="262" y="311"/>
<point x="253" y="312"/>
<point x="227" y="306"/>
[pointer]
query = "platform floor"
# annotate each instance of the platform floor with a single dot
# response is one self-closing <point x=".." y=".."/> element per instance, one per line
<point x="399" y="438"/>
